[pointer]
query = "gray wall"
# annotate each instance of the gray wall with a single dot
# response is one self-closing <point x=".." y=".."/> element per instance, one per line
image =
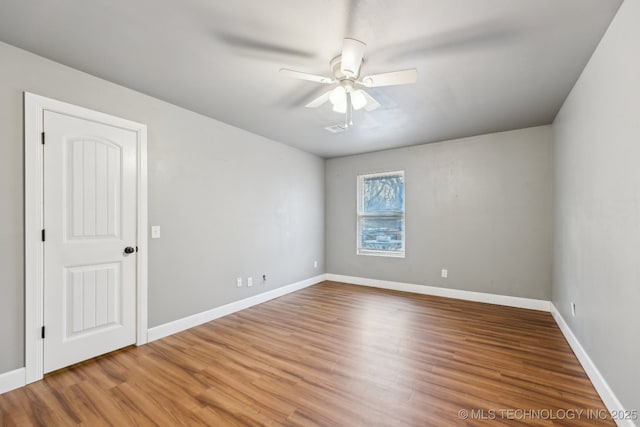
<point x="480" y="207"/>
<point x="230" y="203"/>
<point x="597" y="207"/>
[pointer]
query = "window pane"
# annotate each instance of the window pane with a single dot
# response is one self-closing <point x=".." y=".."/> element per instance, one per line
<point x="383" y="194"/>
<point x="382" y="234"/>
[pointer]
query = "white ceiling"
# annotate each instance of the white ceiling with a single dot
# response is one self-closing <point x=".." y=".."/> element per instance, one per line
<point x="483" y="65"/>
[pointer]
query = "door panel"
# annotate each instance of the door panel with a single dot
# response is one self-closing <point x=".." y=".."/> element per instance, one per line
<point x="90" y="217"/>
<point x="93" y="180"/>
<point x="92" y="294"/>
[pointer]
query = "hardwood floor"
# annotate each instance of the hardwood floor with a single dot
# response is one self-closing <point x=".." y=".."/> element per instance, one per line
<point x="330" y="355"/>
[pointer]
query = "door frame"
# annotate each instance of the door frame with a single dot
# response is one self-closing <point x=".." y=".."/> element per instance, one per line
<point x="34" y="108"/>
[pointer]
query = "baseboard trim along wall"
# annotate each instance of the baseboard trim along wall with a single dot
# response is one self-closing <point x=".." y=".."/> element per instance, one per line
<point x="180" y="325"/>
<point x="602" y="387"/>
<point x="12" y="380"/>
<point x="532" y="304"/>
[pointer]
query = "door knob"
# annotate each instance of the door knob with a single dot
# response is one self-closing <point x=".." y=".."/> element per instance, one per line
<point x="129" y="250"/>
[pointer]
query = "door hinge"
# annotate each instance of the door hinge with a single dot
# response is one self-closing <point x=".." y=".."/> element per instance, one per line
<point x="43" y="332"/>
<point x="43" y="234"/>
<point x="42" y="137"/>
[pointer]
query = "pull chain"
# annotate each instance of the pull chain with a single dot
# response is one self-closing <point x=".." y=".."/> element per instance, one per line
<point x="349" y="112"/>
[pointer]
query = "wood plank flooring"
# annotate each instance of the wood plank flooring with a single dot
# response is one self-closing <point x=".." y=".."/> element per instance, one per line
<point x="330" y="355"/>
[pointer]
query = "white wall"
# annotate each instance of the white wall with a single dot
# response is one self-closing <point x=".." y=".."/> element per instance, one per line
<point x="597" y="207"/>
<point x="230" y="203"/>
<point x="480" y="207"/>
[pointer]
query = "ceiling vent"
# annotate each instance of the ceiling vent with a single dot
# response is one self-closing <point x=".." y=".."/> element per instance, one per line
<point x="336" y="128"/>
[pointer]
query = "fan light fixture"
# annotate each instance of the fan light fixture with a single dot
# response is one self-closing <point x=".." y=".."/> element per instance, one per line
<point x="358" y="99"/>
<point x="338" y="99"/>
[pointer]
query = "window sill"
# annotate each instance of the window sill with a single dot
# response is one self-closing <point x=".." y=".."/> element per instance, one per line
<point x="380" y="253"/>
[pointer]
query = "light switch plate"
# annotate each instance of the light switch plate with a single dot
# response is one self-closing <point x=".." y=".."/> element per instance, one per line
<point x="155" y="231"/>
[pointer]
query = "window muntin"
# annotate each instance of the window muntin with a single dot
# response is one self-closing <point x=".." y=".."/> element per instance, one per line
<point x="381" y="214"/>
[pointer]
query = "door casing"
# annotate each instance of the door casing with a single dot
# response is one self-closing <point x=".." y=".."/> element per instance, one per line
<point x="34" y="107"/>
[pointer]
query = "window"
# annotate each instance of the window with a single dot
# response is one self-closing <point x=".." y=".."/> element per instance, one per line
<point x="381" y="214"/>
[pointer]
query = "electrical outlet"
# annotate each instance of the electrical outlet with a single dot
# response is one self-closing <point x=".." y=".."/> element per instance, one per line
<point x="249" y="281"/>
<point x="315" y="264"/>
<point x="573" y="309"/>
<point x="155" y="231"/>
<point x="239" y="282"/>
<point x="444" y="273"/>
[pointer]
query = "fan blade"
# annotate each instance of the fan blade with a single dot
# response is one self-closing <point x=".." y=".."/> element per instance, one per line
<point x="260" y="46"/>
<point x="372" y="104"/>
<point x="393" y="78"/>
<point x="483" y="35"/>
<point x="306" y="76"/>
<point x="352" y="53"/>
<point x="319" y="100"/>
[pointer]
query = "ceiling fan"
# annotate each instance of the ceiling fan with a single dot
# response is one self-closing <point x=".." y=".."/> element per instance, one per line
<point x="346" y="68"/>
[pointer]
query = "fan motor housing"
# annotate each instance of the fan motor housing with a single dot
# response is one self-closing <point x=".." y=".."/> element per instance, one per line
<point x="337" y="72"/>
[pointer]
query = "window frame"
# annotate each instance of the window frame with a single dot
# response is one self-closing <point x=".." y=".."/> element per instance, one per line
<point x="360" y="215"/>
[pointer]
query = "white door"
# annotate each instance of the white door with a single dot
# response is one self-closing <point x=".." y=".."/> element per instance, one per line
<point x="89" y="220"/>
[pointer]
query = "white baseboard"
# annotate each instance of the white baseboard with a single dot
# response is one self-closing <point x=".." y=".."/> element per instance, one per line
<point x="12" y="380"/>
<point x="532" y="304"/>
<point x="180" y="325"/>
<point x="606" y="394"/>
